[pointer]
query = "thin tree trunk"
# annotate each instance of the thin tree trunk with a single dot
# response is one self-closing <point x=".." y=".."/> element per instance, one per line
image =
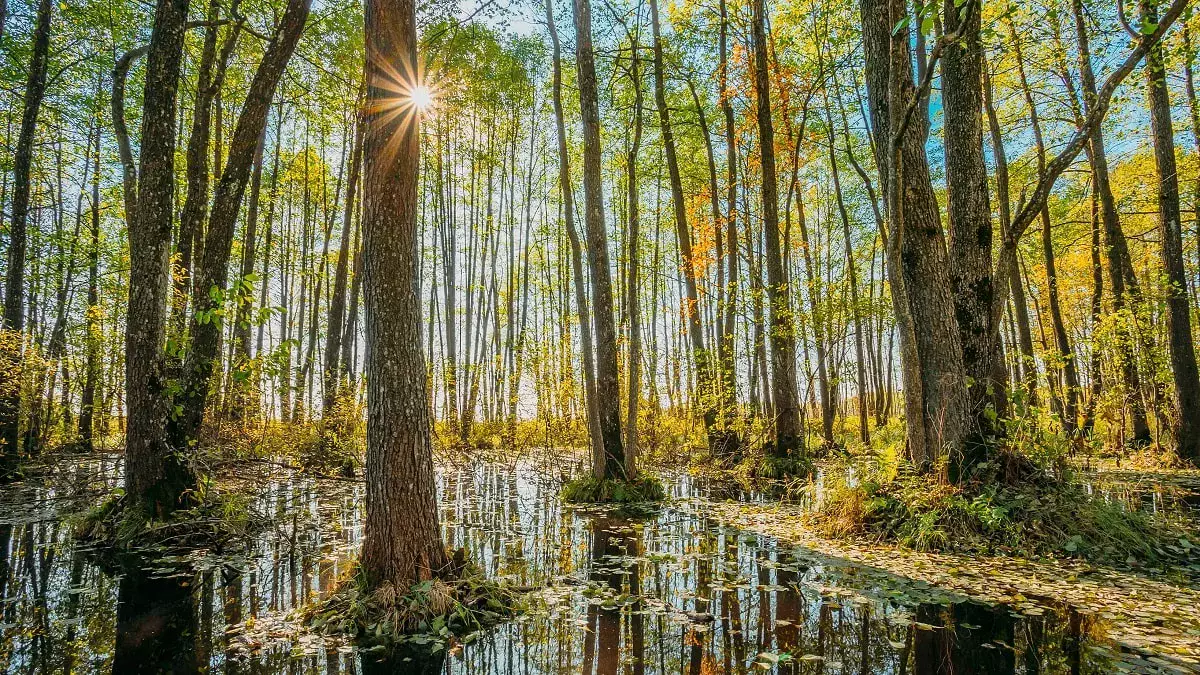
<point x="608" y="401"/>
<point x="788" y="439"/>
<point x="12" y="347"/>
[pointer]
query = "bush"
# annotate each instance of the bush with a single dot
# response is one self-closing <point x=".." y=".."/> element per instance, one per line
<point x="590" y="489"/>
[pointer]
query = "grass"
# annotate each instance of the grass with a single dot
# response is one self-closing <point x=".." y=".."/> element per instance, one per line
<point x="589" y="489"/>
<point x="426" y="617"/>
<point x="988" y="514"/>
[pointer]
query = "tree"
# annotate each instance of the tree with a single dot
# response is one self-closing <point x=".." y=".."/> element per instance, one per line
<point x="156" y="478"/>
<point x="788" y="439"/>
<point x="608" y="395"/>
<point x="402" y="544"/>
<point x="1179" y="327"/>
<point x="13" y="324"/>
<point x="212" y="273"/>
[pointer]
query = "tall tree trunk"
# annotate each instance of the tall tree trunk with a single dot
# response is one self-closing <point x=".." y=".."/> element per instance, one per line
<point x="242" y="368"/>
<point x="1062" y="341"/>
<point x="87" y="403"/>
<point x="936" y="410"/>
<point x="970" y="229"/>
<point x="705" y="395"/>
<point x="12" y="345"/>
<point x="860" y="359"/>
<point x="195" y="203"/>
<point x="1179" y="330"/>
<point x="156" y="478"/>
<point x="726" y="334"/>
<point x="212" y="272"/>
<point x="789" y="435"/>
<point x="1028" y="363"/>
<point x="1120" y="267"/>
<point x="402" y="544"/>
<point x="608" y="394"/>
<point x="632" y="259"/>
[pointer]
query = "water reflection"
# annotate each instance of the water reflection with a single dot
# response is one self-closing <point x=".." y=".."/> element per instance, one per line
<point x="158" y="626"/>
<point x="667" y="592"/>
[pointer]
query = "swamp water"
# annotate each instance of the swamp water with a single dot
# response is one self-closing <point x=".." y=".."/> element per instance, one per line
<point x="665" y="591"/>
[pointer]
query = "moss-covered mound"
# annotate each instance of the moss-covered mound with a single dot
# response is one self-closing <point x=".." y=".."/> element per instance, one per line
<point x="592" y="490"/>
<point x="989" y="513"/>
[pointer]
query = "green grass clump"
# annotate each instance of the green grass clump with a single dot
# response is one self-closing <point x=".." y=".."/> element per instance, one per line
<point x="426" y="617"/>
<point x="777" y="468"/>
<point x="219" y="520"/>
<point x="593" y="490"/>
<point x="1032" y="517"/>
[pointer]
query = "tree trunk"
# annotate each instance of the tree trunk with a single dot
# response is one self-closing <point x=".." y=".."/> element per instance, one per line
<point x="212" y="272"/>
<point x="608" y="394"/>
<point x="156" y="477"/>
<point x="632" y="259"/>
<point x="789" y="435"/>
<point x="1028" y="362"/>
<point x="337" y="305"/>
<point x="705" y="395"/>
<point x="402" y="543"/>
<point x="1070" y="413"/>
<point x="936" y="410"/>
<point x="970" y="228"/>
<point x="87" y="403"/>
<point x="12" y="346"/>
<point x="1179" y="330"/>
<point x="1120" y="267"/>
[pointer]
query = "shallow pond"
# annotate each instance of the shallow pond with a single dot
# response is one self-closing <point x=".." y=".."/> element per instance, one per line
<point x="665" y="591"/>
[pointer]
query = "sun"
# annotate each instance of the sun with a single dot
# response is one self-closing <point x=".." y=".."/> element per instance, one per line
<point x="421" y="97"/>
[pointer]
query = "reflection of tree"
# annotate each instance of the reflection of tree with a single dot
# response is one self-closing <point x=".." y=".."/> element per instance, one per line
<point x="614" y="544"/>
<point x="156" y="625"/>
<point x="415" y="661"/>
<point x="787" y="609"/>
<point x="965" y="638"/>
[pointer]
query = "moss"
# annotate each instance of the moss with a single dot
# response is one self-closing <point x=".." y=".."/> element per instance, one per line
<point x="593" y="490"/>
<point x="426" y="617"/>
<point x="1046" y="516"/>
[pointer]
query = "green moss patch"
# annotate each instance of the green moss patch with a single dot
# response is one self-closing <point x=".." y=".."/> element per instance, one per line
<point x="592" y="490"/>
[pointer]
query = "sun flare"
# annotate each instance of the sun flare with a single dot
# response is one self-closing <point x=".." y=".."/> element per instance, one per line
<point x="421" y="97"/>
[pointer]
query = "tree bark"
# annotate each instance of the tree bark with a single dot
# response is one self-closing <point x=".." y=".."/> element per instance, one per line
<point x="970" y="230"/>
<point x="156" y="477"/>
<point x="402" y="543"/>
<point x="936" y="410"/>
<point x="12" y="347"/>
<point x="608" y="395"/>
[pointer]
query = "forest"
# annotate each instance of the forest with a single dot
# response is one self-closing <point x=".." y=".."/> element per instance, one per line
<point x="599" y="336"/>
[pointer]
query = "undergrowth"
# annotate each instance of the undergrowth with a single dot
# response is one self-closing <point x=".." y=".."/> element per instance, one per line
<point x="427" y="617"/>
<point x="590" y="489"/>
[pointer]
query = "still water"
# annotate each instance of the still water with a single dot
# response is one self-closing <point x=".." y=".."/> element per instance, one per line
<point x="663" y="591"/>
